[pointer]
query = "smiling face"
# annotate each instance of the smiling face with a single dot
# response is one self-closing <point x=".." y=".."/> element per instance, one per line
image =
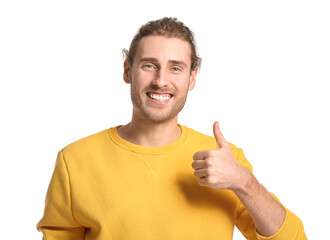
<point x="160" y="78"/>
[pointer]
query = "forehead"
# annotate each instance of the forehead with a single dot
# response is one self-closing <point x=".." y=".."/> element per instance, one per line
<point x="164" y="48"/>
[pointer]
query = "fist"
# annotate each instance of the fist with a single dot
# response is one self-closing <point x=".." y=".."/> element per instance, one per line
<point x="218" y="168"/>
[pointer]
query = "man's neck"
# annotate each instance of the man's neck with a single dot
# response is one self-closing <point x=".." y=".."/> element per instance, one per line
<point x="150" y="134"/>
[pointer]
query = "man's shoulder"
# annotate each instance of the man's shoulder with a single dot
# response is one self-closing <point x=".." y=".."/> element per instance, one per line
<point x="88" y="143"/>
<point x="206" y="141"/>
<point x="198" y="141"/>
<point x="197" y="136"/>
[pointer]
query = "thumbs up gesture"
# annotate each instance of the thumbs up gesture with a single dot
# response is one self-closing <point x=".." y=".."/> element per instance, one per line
<point x="219" y="168"/>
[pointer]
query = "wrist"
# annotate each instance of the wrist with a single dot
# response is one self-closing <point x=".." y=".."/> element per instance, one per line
<point x="244" y="183"/>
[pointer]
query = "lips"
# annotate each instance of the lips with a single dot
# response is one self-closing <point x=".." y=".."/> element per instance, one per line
<point x="159" y="97"/>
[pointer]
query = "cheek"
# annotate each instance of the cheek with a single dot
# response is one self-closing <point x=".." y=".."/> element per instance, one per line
<point x="143" y="78"/>
<point x="180" y="82"/>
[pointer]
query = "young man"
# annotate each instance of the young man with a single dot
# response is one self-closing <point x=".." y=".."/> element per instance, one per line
<point x="154" y="178"/>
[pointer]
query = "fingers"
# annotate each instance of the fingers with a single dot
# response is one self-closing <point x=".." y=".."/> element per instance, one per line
<point x="199" y="164"/>
<point x="221" y="141"/>
<point x="202" y="173"/>
<point x="201" y="155"/>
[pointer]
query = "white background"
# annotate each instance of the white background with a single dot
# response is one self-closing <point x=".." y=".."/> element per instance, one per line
<point x="264" y="77"/>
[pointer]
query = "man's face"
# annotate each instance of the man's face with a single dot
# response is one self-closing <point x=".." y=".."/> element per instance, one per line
<point x="160" y="78"/>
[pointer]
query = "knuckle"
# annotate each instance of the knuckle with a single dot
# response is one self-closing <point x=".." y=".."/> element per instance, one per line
<point x="209" y="171"/>
<point x="208" y="162"/>
<point x="208" y="181"/>
<point x="211" y="154"/>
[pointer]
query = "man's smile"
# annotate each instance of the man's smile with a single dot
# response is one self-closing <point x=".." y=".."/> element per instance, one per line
<point x="159" y="97"/>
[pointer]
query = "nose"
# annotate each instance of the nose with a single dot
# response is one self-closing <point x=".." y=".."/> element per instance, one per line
<point x="161" y="78"/>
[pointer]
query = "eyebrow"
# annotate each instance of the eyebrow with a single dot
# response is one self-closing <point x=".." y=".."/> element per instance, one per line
<point x="147" y="59"/>
<point x="177" y="62"/>
<point x="155" y="60"/>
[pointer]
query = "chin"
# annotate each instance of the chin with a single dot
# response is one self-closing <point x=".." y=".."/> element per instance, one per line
<point x="157" y="115"/>
<point x="157" y="118"/>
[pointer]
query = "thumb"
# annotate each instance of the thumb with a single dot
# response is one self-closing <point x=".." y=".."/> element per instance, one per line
<point x="221" y="141"/>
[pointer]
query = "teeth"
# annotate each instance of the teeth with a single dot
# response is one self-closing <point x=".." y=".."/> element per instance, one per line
<point x="160" y="97"/>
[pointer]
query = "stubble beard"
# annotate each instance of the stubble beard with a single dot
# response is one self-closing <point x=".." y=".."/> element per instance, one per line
<point x="153" y="115"/>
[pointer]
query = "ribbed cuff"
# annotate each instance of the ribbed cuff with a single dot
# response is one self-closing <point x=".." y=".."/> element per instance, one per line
<point x="287" y="230"/>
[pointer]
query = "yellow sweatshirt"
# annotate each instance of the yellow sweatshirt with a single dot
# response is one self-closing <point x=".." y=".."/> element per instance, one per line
<point x="104" y="188"/>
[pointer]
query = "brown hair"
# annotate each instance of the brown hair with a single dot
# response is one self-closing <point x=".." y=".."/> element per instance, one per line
<point x="169" y="27"/>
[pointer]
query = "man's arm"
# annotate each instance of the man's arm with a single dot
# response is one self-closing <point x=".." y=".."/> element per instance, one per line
<point x="58" y="221"/>
<point x="219" y="169"/>
<point x="266" y="212"/>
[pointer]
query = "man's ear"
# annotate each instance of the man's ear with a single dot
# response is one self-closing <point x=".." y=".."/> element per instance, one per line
<point x="127" y="72"/>
<point x="192" y="79"/>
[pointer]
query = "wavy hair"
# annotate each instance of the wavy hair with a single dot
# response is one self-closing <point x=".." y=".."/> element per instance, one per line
<point x="169" y="27"/>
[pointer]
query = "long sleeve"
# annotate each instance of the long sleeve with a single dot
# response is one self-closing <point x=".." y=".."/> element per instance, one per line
<point x="58" y="221"/>
<point x="291" y="229"/>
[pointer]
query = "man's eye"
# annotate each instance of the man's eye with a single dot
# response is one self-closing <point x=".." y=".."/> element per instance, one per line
<point x="176" y="69"/>
<point x="148" y="66"/>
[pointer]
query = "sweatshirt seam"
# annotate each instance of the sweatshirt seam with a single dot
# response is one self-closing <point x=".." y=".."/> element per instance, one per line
<point x="70" y="187"/>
